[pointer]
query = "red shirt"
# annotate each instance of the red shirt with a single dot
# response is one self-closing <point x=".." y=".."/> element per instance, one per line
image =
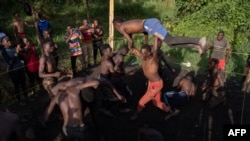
<point x="30" y="59"/>
<point x="87" y="35"/>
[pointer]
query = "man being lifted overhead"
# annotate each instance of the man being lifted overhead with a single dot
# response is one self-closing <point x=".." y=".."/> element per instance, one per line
<point x="153" y="26"/>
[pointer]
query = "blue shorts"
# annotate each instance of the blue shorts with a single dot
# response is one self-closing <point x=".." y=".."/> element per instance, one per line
<point x="176" y="99"/>
<point x="153" y="26"/>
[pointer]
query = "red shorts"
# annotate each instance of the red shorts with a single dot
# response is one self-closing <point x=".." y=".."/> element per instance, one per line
<point x="221" y="64"/>
<point x="153" y="93"/>
<point x="22" y="35"/>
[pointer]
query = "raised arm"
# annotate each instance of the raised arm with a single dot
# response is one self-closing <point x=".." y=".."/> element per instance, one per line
<point x="67" y="38"/>
<point x="135" y="51"/>
<point x="155" y="48"/>
<point x="128" y="37"/>
<point x="145" y="38"/>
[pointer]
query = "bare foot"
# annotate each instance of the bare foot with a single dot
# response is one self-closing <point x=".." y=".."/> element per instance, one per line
<point x="202" y="46"/>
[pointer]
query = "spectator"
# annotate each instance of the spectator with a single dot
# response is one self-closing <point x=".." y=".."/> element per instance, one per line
<point x="31" y="62"/>
<point x="15" y="68"/>
<point x="97" y="39"/>
<point x="47" y="36"/>
<point x="72" y="38"/>
<point x="220" y="50"/>
<point x="2" y="34"/>
<point x="18" y="27"/>
<point x="43" y="24"/>
<point x="86" y="32"/>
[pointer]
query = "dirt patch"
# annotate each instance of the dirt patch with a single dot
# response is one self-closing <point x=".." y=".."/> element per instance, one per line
<point x="195" y="123"/>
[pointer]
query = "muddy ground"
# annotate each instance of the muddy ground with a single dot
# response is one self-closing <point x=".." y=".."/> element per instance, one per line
<point x="195" y="123"/>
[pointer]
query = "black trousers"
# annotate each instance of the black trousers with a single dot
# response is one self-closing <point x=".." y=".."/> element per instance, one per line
<point x="33" y="79"/>
<point x="18" y="79"/>
<point x="97" y="46"/>
<point x="73" y="63"/>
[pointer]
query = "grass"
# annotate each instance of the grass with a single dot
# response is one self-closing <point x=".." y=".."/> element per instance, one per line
<point x="63" y="13"/>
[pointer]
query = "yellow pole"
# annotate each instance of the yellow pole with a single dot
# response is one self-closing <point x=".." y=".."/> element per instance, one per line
<point x="111" y="27"/>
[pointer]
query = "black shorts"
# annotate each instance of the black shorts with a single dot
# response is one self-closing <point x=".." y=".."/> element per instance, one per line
<point x="76" y="132"/>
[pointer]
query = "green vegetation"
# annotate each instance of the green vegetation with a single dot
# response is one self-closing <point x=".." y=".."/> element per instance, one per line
<point x="193" y="18"/>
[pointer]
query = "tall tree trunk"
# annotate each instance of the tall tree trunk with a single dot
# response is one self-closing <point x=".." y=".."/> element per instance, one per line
<point x="87" y="7"/>
<point x="111" y="26"/>
<point x="35" y="23"/>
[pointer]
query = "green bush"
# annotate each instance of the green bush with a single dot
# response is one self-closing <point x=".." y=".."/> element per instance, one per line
<point x="181" y="17"/>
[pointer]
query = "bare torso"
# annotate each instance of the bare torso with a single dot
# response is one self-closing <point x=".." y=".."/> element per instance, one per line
<point x="150" y="69"/>
<point x="71" y="108"/>
<point x="187" y="86"/>
<point x="133" y="26"/>
<point x="118" y="60"/>
<point x="106" y="66"/>
<point x="19" y="26"/>
<point x="50" y="64"/>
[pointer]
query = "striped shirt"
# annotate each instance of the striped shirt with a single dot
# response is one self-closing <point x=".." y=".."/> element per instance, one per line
<point x="74" y="45"/>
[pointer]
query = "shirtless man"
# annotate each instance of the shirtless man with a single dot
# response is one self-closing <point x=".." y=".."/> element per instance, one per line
<point x="154" y="27"/>
<point x="214" y="90"/>
<point x="86" y="32"/>
<point x="176" y="99"/>
<point x="67" y="97"/>
<point x="107" y="65"/>
<point x="118" y="59"/>
<point x="18" y="27"/>
<point x="120" y="83"/>
<point x="214" y="95"/>
<point x="47" y="67"/>
<point x="107" y="71"/>
<point x="150" y="65"/>
<point x="97" y="39"/>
